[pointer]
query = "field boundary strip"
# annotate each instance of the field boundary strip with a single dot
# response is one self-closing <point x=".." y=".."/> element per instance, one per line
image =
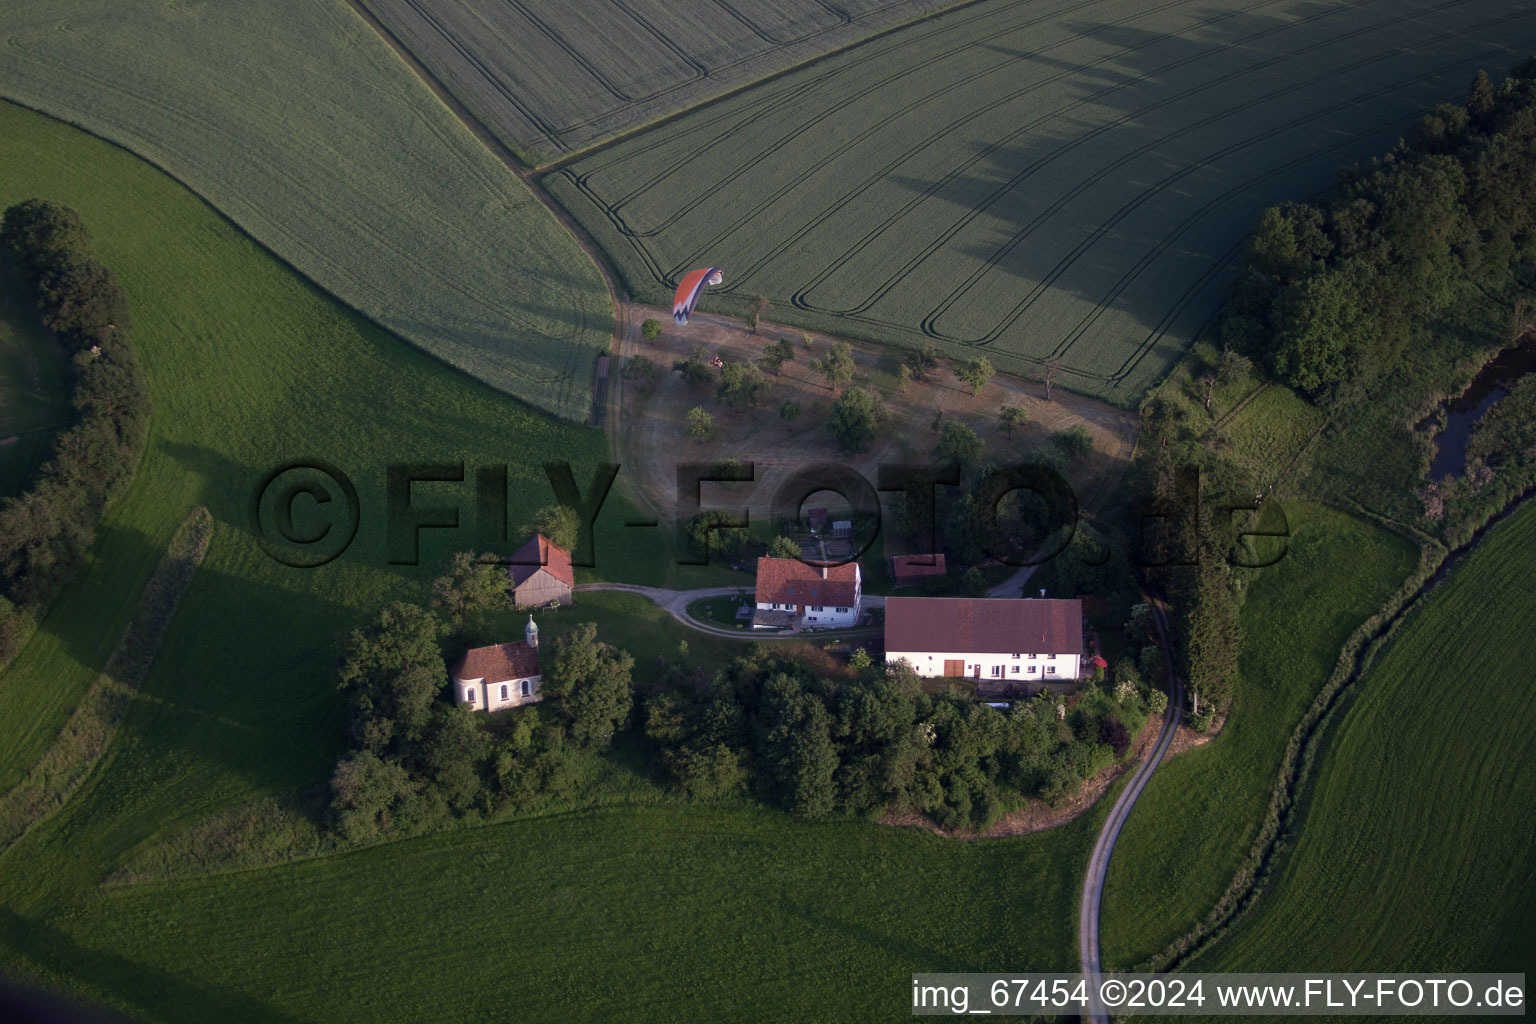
<point x="95" y="721"/>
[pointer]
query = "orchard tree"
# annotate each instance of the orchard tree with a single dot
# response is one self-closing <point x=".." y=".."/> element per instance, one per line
<point x="855" y="419"/>
<point x="1013" y="416"/>
<point x="837" y="364"/>
<point x="651" y="329"/>
<point x="959" y="444"/>
<point x="701" y="425"/>
<point x="976" y="373"/>
<point x="760" y="305"/>
<point x="1050" y="372"/>
<point x="741" y="384"/>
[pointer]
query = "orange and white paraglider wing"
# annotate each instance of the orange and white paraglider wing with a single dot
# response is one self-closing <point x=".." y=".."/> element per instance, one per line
<point x="694" y="282"/>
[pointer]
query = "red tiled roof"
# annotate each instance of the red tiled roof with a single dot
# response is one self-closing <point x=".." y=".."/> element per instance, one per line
<point x="498" y="664"/>
<point x="791" y="581"/>
<point x="538" y="553"/>
<point x="906" y="567"/>
<point x="979" y="625"/>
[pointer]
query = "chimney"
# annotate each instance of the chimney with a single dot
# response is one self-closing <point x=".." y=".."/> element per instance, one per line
<point x="531" y="633"/>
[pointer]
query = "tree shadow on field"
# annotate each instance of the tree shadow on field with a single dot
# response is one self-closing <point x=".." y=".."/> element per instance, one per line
<point x="157" y="993"/>
<point x="921" y="957"/>
<point x="1136" y="192"/>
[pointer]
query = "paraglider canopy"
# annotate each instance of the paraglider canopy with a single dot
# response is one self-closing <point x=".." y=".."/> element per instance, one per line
<point x="694" y="282"/>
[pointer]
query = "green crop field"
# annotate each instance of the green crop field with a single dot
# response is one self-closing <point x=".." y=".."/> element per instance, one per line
<point x="1024" y="180"/>
<point x="1198" y="815"/>
<point x="34" y="387"/>
<point x="1423" y="814"/>
<point x="699" y="910"/>
<point x="300" y="124"/>
<point x="555" y="78"/>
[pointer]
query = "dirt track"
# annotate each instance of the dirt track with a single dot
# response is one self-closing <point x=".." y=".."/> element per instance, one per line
<point x="650" y="416"/>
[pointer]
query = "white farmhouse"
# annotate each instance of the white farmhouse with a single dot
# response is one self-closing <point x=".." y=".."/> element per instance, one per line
<point x="791" y="593"/>
<point x="1005" y="640"/>
<point x="501" y="676"/>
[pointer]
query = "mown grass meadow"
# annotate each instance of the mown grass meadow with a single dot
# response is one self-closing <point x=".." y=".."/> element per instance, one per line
<point x="300" y="124"/>
<point x="1413" y="849"/>
<point x="1073" y="180"/>
<point x="1198" y="816"/>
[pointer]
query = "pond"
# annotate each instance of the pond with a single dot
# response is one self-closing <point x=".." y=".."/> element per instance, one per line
<point x="1463" y="412"/>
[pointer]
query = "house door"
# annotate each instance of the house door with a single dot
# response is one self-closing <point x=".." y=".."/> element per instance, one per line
<point x="976" y="672"/>
<point x="954" y="668"/>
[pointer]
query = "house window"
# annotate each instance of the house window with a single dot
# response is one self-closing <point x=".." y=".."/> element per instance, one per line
<point x="997" y="670"/>
<point x="1013" y="656"/>
<point x="469" y="695"/>
<point x="815" y="607"/>
<point x="842" y="609"/>
<point x="505" y="693"/>
<point x="1015" y="670"/>
<point x="1033" y="669"/>
<point x="527" y="688"/>
<point x="1050" y="670"/>
<point x="1032" y="657"/>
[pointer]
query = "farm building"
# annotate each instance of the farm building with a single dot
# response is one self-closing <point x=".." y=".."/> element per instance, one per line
<point x="540" y="573"/>
<point x="911" y="570"/>
<point x="1019" y="640"/>
<point x="500" y="676"/>
<point x="792" y="594"/>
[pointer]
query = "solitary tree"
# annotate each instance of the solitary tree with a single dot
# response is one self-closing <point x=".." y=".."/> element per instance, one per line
<point x="1050" y="370"/>
<point x="639" y="368"/>
<point x="701" y="425"/>
<point x="651" y="329"/>
<point x="1012" y="416"/>
<point x="903" y="377"/>
<point x="854" y="419"/>
<point x="760" y="305"/>
<point x="976" y="373"/>
<point x="790" y="410"/>
<point x="837" y="364"/>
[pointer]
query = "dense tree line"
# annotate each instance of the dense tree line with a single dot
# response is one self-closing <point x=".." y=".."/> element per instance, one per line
<point x="817" y="747"/>
<point x="1333" y="287"/>
<point x="44" y="532"/>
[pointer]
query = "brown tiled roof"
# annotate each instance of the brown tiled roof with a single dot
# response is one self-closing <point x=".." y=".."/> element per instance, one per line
<point x="498" y="664"/>
<point x="906" y="567"/>
<point x="539" y="553"/>
<point x="979" y="625"/>
<point x="791" y="581"/>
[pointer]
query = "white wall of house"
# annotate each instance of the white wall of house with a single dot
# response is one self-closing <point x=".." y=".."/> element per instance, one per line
<point x="813" y="616"/>
<point x="1002" y="668"/>
<point x="488" y="697"/>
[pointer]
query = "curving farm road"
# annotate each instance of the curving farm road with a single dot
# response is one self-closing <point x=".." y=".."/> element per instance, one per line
<point x="1098" y="862"/>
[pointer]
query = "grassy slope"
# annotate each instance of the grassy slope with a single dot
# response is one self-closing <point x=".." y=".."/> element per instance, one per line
<point x="1198" y="815"/>
<point x="701" y="909"/>
<point x="298" y="122"/>
<point x="1026" y="179"/>
<point x="1421" y="818"/>
<point x="249" y="366"/>
<point x="34" y="387"/>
